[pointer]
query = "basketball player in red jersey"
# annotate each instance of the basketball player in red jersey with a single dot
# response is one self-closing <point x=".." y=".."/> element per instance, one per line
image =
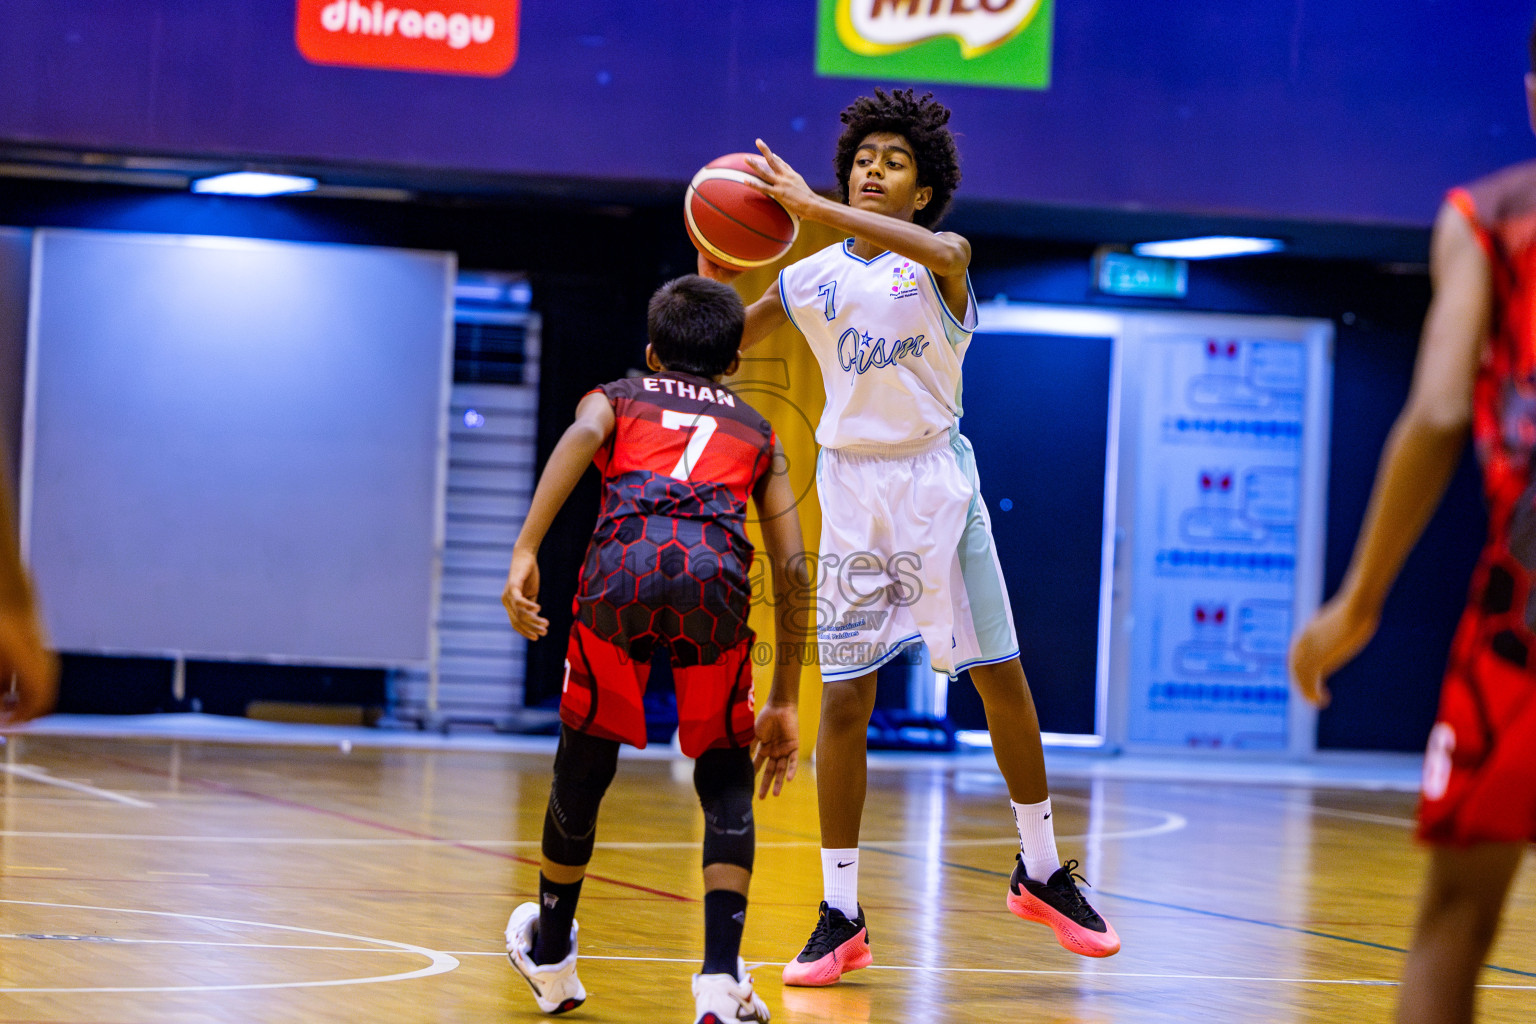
<point x="1476" y="369"/>
<point x="667" y="569"/>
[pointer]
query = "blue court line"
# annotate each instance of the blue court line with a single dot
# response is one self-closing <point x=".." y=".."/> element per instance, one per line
<point x="1196" y="910"/>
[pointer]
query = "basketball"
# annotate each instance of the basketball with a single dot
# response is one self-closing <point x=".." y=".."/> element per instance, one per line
<point x="731" y="222"/>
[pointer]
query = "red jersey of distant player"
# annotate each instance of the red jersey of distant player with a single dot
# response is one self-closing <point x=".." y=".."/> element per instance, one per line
<point x="1480" y="769"/>
<point x="669" y="564"/>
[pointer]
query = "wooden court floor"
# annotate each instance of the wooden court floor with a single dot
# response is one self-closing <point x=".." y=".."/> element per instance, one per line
<point x="155" y="881"/>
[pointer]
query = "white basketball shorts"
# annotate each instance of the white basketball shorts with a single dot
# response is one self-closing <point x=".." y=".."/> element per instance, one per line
<point x="907" y="555"/>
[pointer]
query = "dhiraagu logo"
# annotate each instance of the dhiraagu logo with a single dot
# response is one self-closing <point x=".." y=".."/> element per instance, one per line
<point x="968" y="42"/>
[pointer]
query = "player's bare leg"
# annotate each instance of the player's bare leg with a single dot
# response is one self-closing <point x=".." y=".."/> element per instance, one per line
<point x="840" y="942"/>
<point x="562" y="874"/>
<point x="727" y="878"/>
<point x="1042" y="889"/>
<point x="842" y="754"/>
<point x="1458" y="919"/>
<point x="1015" y="729"/>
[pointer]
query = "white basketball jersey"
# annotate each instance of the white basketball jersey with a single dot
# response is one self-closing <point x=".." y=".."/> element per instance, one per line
<point x="889" y="349"/>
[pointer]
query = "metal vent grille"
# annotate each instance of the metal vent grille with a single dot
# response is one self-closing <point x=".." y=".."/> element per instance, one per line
<point x="489" y="353"/>
<point x="493" y="425"/>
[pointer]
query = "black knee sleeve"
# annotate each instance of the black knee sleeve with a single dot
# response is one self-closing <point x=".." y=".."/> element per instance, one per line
<point x="584" y="767"/>
<point x="723" y="780"/>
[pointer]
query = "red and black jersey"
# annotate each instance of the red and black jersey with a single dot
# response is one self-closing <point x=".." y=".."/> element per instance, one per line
<point x="1480" y="769"/>
<point x="1502" y="211"/>
<point x="669" y="561"/>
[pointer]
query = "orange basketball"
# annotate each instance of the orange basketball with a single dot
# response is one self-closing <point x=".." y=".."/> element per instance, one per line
<point x="731" y="222"/>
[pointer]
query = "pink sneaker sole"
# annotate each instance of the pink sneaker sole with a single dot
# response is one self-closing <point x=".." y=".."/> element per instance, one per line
<point x="1072" y="937"/>
<point x="850" y="956"/>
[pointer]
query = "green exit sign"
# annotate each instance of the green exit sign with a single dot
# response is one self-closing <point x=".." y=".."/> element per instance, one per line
<point x="1120" y="273"/>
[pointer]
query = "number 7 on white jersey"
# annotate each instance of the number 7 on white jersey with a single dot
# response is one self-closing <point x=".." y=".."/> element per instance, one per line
<point x="702" y="426"/>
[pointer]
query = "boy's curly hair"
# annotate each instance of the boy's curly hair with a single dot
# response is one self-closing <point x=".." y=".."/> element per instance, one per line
<point x="924" y="122"/>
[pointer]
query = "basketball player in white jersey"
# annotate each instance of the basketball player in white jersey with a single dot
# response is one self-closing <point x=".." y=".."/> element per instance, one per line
<point x="906" y="546"/>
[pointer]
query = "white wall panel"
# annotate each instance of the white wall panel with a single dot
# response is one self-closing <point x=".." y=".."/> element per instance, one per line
<point x="235" y="448"/>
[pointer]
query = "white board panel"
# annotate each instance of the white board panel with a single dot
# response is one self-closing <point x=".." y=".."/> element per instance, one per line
<point x="234" y="448"/>
<point x="1224" y="454"/>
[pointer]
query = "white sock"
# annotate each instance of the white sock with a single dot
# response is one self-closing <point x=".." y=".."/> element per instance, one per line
<point x="840" y="880"/>
<point x="1037" y="839"/>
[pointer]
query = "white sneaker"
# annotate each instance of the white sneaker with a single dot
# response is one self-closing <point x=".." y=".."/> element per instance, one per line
<point x="555" y="986"/>
<point x="722" y="999"/>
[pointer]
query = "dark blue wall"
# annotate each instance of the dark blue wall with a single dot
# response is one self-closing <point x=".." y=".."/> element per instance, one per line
<point x="1040" y="453"/>
<point x="1347" y="110"/>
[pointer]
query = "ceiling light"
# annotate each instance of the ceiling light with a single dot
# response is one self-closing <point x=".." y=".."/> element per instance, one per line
<point x="1208" y="247"/>
<point x="253" y="183"/>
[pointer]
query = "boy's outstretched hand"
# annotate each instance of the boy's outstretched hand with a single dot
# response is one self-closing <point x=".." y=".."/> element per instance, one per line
<point x="777" y="748"/>
<point x="518" y="596"/>
<point x="1326" y="644"/>
<point x="29" y="672"/>
<point x="717" y="271"/>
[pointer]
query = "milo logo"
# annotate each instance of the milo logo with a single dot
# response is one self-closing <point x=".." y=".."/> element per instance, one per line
<point x="970" y="42"/>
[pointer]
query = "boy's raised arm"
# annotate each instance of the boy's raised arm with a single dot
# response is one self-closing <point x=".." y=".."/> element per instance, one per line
<point x="945" y="253"/>
<point x="570" y="459"/>
<point x="778" y="722"/>
<point x="764" y="316"/>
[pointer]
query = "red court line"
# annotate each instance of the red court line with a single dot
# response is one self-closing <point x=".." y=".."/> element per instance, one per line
<point x="226" y="788"/>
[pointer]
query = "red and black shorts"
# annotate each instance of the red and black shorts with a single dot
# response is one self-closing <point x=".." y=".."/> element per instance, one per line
<point x="1480" y="767"/>
<point x="604" y="687"/>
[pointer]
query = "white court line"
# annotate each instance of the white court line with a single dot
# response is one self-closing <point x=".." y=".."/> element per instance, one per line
<point x="1171" y="822"/>
<point x="405" y="949"/>
<point x="181" y="874"/>
<point x="110" y="940"/>
<point x="1336" y="812"/>
<point x="1363" y="816"/>
<point x="1081" y="974"/>
<point x="27" y="771"/>
<point x="792" y="844"/>
<point x="441" y="962"/>
<point x="1327" y="812"/>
